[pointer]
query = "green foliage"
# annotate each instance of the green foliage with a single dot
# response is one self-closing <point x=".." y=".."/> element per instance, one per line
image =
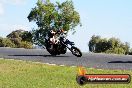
<point x="130" y="51"/>
<point x="21" y="38"/>
<point x="1" y="41"/>
<point x="15" y="34"/>
<point x="15" y="37"/>
<point x="92" y="43"/>
<point x="5" y="42"/>
<point x="112" y="45"/>
<point x="116" y="51"/>
<point x="16" y="41"/>
<point x="49" y="16"/>
<point x="26" y="36"/>
<point x="25" y="44"/>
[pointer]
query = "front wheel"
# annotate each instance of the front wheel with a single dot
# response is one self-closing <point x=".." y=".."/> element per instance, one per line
<point x="75" y="51"/>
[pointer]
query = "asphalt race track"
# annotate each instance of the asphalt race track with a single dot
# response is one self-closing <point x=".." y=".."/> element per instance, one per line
<point x="91" y="60"/>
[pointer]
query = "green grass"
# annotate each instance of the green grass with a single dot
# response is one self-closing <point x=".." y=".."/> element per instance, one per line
<point x="25" y="74"/>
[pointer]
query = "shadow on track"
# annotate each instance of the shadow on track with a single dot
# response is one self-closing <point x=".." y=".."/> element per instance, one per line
<point x="40" y="55"/>
<point x="120" y="62"/>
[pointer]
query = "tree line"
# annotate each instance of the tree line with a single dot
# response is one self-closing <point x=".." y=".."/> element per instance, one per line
<point x="111" y="45"/>
<point x="17" y="39"/>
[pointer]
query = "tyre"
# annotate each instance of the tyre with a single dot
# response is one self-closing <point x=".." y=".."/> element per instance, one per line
<point x="75" y="51"/>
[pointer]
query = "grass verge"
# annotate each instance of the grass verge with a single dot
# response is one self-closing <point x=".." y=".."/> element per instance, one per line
<point x="26" y="74"/>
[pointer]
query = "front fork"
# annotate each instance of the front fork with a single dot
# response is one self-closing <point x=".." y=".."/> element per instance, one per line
<point x="70" y="48"/>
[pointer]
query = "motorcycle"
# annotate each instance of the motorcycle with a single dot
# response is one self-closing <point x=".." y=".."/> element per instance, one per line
<point x="62" y="46"/>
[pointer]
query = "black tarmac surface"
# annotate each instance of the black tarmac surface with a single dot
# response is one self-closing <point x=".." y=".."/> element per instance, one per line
<point x="91" y="60"/>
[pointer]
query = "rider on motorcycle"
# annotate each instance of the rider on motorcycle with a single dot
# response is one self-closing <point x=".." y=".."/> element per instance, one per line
<point x="57" y="43"/>
<point x="52" y="34"/>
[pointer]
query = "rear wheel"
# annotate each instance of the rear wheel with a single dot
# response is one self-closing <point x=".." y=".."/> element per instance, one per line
<point x="52" y="51"/>
<point x="75" y="51"/>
